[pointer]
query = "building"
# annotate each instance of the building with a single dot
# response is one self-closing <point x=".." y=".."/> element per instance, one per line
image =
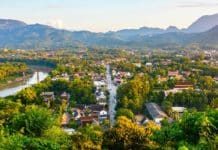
<point x="101" y="98"/>
<point x="148" y="64"/>
<point x="179" y="87"/>
<point x="102" y="115"/>
<point x="87" y="120"/>
<point x="65" y="97"/>
<point x="89" y="114"/>
<point x="173" y="91"/>
<point x="162" y="79"/>
<point x="173" y="73"/>
<point x="178" y="109"/>
<point x="48" y="97"/>
<point x="215" y="79"/>
<point x="156" y="113"/>
<point x="183" y="85"/>
<point x="137" y="65"/>
<point x="65" y="119"/>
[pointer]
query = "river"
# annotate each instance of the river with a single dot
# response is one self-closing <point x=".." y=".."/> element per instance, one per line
<point x="31" y="81"/>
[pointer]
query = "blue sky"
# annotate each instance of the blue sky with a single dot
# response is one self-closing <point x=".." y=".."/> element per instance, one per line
<point x="105" y="15"/>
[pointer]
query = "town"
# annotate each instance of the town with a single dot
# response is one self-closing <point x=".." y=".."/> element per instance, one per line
<point x="93" y="94"/>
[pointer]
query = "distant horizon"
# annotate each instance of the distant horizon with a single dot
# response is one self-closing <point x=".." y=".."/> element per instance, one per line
<point x="105" y="16"/>
<point x="127" y="28"/>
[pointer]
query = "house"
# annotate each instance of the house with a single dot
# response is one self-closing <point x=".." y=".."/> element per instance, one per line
<point x="63" y="76"/>
<point x="69" y="131"/>
<point x="183" y="85"/>
<point x="137" y="65"/>
<point x="65" y="119"/>
<point x="65" y="97"/>
<point x="87" y="120"/>
<point x="100" y="84"/>
<point x="77" y="113"/>
<point x="215" y="79"/>
<point x="161" y="79"/>
<point x="179" y="77"/>
<point x="139" y="118"/>
<point x="148" y="64"/>
<point x="98" y="112"/>
<point x="102" y="115"/>
<point x="179" y="87"/>
<point x="48" y="97"/>
<point x="166" y="62"/>
<point x="156" y="113"/>
<point x="173" y="73"/>
<point x="101" y="98"/>
<point x="118" y="81"/>
<point x="173" y="91"/>
<point x="178" y="109"/>
<point x="88" y="114"/>
<point x="186" y="73"/>
<point x="95" y="108"/>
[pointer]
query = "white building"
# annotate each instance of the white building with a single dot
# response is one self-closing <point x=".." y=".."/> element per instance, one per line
<point x="156" y="113"/>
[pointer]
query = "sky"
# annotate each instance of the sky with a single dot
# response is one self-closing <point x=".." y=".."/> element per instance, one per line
<point x="107" y="15"/>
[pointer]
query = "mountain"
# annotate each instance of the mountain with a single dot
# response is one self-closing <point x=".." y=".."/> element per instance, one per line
<point x="203" y="24"/>
<point x="208" y="39"/>
<point x="46" y="37"/>
<point x="11" y="24"/>
<point x="34" y="36"/>
<point x="17" y="34"/>
<point x="172" y="29"/>
<point x="130" y="34"/>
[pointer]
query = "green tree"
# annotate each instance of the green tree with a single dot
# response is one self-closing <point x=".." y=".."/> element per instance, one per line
<point x="8" y="109"/>
<point x="57" y="135"/>
<point x="33" y="122"/>
<point x="124" y="112"/>
<point x="27" y="96"/>
<point x="128" y="135"/>
<point x="87" y="138"/>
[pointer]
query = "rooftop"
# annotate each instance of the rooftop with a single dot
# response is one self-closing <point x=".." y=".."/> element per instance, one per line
<point x="155" y="111"/>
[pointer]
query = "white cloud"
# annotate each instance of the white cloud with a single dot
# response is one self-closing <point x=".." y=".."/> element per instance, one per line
<point x="57" y="23"/>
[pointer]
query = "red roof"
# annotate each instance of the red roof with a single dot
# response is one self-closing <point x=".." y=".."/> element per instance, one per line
<point x="173" y="73"/>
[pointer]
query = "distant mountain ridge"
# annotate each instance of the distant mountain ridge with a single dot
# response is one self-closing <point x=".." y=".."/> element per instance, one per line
<point x="17" y="34"/>
<point x="11" y="24"/>
<point x="203" y="24"/>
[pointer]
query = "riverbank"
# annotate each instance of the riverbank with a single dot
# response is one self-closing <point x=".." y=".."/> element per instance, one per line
<point x="34" y="79"/>
<point x="16" y="81"/>
<point x="22" y="79"/>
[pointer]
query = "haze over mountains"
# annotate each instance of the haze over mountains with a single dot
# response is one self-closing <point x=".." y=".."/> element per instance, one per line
<point x="17" y="34"/>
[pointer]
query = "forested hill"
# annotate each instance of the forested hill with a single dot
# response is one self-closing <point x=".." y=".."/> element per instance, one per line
<point x="17" y="34"/>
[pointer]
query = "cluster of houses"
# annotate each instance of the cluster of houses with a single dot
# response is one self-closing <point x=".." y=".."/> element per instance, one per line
<point x="120" y="76"/>
<point x="89" y="114"/>
<point x="49" y="97"/>
<point x="180" y="85"/>
<point x="100" y="88"/>
<point x="82" y="114"/>
<point x="63" y="76"/>
<point x="85" y="114"/>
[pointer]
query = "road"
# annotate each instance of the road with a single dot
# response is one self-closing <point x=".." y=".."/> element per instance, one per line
<point x="112" y="98"/>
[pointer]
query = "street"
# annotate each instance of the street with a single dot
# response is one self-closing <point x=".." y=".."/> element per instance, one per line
<point x="112" y="98"/>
